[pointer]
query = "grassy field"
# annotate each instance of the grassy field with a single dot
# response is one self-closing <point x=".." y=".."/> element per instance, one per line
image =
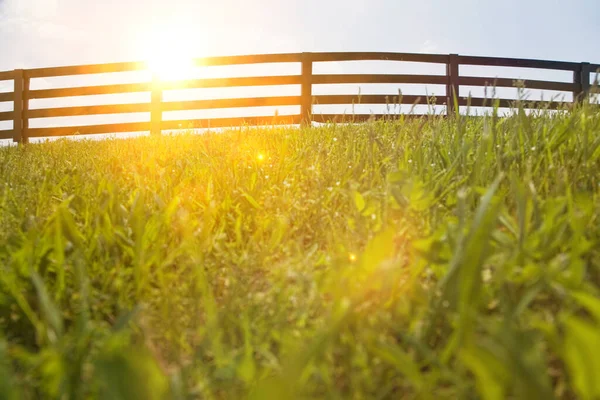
<point x="420" y="259"/>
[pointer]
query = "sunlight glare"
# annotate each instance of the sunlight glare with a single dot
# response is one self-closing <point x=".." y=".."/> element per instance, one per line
<point x="168" y="54"/>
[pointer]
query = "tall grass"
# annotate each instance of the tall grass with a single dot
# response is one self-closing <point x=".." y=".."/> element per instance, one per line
<point x="424" y="258"/>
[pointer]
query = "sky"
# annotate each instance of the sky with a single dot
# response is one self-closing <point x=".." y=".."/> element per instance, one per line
<point x="36" y="33"/>
<point x="42" y="33"/>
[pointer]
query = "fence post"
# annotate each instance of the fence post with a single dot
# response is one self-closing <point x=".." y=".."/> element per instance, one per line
<point x="306" y="90"/>
<point x="20" y="107"/>
<point x="452" y="83"/>
<point x="581" y="82"/>
<point x="156" y="106"/>
<point x="25" y="109"/>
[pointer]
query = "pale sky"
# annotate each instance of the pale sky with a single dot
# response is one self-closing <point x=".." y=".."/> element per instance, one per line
<point x="36" y="33"/>
<point x="42" y="33"/>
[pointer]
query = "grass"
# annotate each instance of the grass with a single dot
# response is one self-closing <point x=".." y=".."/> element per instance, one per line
<point x="420" y="259"/>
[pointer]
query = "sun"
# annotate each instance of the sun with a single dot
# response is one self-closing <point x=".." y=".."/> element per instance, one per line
<point x="168" y="54"/>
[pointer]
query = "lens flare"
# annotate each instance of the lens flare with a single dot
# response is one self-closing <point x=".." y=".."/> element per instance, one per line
<point x="168" y="53"/>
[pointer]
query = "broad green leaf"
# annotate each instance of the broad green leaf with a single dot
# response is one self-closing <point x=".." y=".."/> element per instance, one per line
<point x="590" y="302"/>
<point x="252" y="201"/>
<point x="49" y="310"/>
<point x="403" y="362"/>
<point x="8" y="388"/>
<point x="489" y="372"/>
<point x="359" y="201"/>
<point x="580" y="347"/>
<point x="379" y="249"/>
<point x="129" y="374"/>
<point x="247" y="367"/>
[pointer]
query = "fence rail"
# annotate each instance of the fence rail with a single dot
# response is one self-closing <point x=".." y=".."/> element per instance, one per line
<point x="21" y="95"/>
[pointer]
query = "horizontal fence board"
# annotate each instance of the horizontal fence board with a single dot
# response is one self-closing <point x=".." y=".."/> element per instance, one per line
<point x="517" y="63"/>
<point x="6" y="115"/>
<point x="378" y="56"/>
<point x="233" y="82"/>
<point x="509" y="82"/>
<point x="6" y="134"/>
<point x="6" y="75"/>
<point x="165" y="125"/>
<point x="332" y="99"/>
<point x="509" y="103"/>
<point x="349" y="118"/>
<point x="89" y="130"/>
<point x="595" y="68"/>
<point x="230" y="122"/>
<point x="7" y="96"/>
<point x="141" y="66"/>
<point x="230" y="103"/>
<point x="90" y="90"/>
<point x="88" y="110"/>
<point x="85" y="69"/>
<point x="383" y="78"/>
<point x="249" y="59"/>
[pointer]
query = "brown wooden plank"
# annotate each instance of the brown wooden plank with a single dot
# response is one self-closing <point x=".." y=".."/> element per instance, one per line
<point x="86" y="69"/>
<point x="140" y="66"/>
<point x="595" y="68"/>
<point x="377" y="56"/>
<point x="585" y="79"/>
<point x="381" y="99"/>
<point x="581" y="81"/>
<point x="517" y="63"/>
<point x="6" y="134"/>
<point x="156" y="99"/>
<point x="231" y="103"/>
<point x="18" y="106"/>
<point x="306" y="89"/>
<point x="6" y="75"/>
<point x="382" y="78"/>
<point x="10" y="96"/>
<point x="354" y="118"/>
<point x="90" y="130"/>
<point x="296" y="57"/>
<point x="369" y="99"/>
<point x="249" y="59"/>
<point x="510" y="82"/>
<point x="452" y="83"/>
<point x="482" y="102"/>
<point x="233" y="82"/>
<point x="6" y="115"/>
<point x="165" y="106"/>
<point x="326" y="118"/>
<point x="230" y="122"/>
<point x="90" y="90"/>
<point x="25" y="110"/>
<point x="88" y="110"/>
<point x="147" y="86"/>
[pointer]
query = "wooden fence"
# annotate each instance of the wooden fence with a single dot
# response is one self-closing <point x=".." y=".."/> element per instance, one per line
<point x="452" y="80"/>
